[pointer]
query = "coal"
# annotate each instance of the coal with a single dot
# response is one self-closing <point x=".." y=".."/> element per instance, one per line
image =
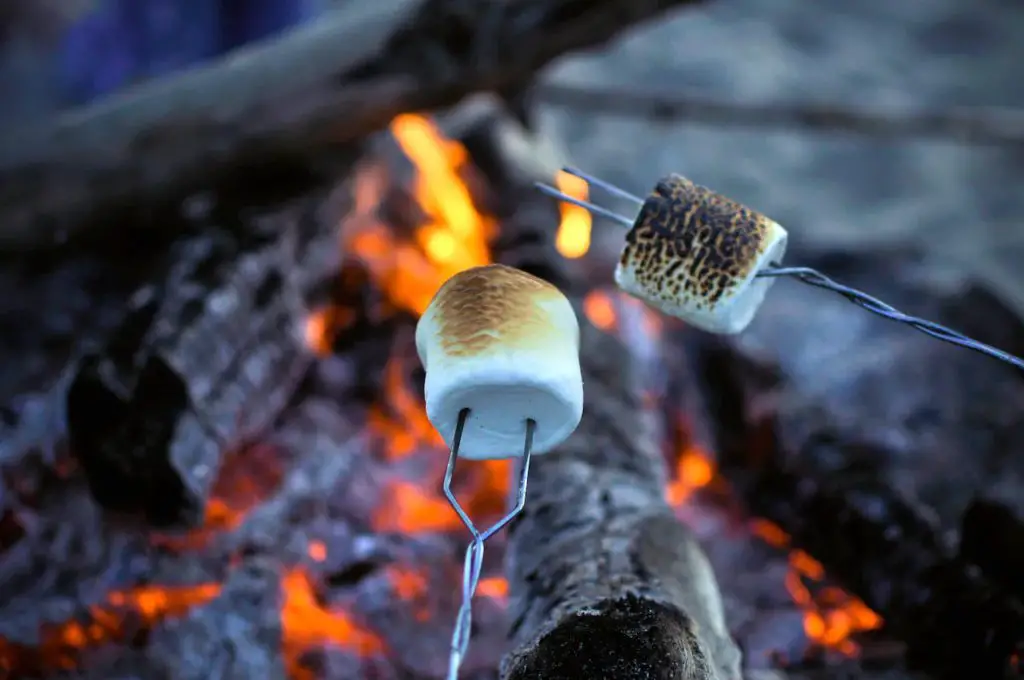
<point x="207" y="357"/>
<point x="875" y="447"/>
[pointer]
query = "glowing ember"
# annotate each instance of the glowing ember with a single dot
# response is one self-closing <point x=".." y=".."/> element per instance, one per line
<point x="246" y="477"/>
<point x="306" y="624"/>
<point x="573" y="238"/>
<point x="831" y="616"/>
<point x="321" y="325"/>
<point x="317" y="551"/>
<point x="409" y="508"/>
<point x="600" y="310"/>
<point x="495" y="588"/>
<point x="112" y="621"/>
<point x="411" y="586"/>
<point x="693" y="471"/>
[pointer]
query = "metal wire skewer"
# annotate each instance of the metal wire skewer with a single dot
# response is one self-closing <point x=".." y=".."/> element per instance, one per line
<point x="473" y="565"/>
<point x="806" y="275"/>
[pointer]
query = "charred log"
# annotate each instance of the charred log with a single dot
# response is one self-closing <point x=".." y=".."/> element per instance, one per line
<point x="605" y="581"/>
<point x="236" y="636"/>
<point x="330" y="83"/>
<point x="206" y="359"/>
<point x="871" y="445"/>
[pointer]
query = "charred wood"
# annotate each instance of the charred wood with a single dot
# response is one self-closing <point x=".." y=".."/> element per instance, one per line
<point x="236" y="636"/>
<point x="293" y="98"/>
<point x="605" y="581"/>
<point x="992" y="537"/>
<point x="872" y="445"/>
<point x="207" y="358"/>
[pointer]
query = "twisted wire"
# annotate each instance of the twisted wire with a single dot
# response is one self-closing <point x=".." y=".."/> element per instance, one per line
<point x="472" y="568"/>
<point x="812" y="277"/>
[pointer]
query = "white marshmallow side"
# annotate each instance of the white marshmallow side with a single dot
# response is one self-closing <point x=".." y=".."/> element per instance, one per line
<point x="516" y="358"/>
<point x="733" y="312"/>
<point x="502" y="392"/>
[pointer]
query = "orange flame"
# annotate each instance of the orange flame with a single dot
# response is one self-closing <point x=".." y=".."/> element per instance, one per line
<point x="412" y="587"/>
<point x="105" y="623"/>
<point x="573" y="238"/>
<point x="453" y="237"/>
<point x="400" y="420"/>
<point x="831" y="616"/>
<point x="306" y="624"/>
<point x="599" y="309"/>
<point x="694" y="471"/>
<point x="494" y="587"/>
<point x="410" y="509"/>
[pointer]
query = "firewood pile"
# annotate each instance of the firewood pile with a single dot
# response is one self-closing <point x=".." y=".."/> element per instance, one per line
<point x="215" y="457"/>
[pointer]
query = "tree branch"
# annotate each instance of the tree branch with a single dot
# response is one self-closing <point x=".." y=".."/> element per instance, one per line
<point x="329" y="83"/>
<point x="966" y="126"/>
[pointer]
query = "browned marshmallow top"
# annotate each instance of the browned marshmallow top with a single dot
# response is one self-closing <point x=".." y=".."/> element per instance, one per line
<point x="481" y="308"/>
<point x="689" y="242"/>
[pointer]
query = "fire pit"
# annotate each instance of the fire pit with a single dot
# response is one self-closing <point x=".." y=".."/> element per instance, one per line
<point x="275" y="510"/>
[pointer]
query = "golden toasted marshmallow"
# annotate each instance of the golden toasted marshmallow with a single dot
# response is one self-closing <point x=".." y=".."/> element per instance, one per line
<point x="505" y="345"/>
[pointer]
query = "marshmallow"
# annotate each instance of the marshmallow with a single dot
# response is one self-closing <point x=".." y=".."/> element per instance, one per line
<point x="695" y="254"/>
<point x="505" y="345"/>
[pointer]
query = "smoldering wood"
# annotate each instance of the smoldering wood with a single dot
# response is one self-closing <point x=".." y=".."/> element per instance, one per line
<point x="64" y="308"/>
<point x="870" y="444"/>
<point x="64" y="557"/>
<point x="298" y="96"/>
<point x="604" y="580"/>
<point x="236" y="636"/>
<point x="992" y="537"/>
<point x="206" y="359"/>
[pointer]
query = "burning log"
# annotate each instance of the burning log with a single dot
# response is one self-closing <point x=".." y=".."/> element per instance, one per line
<point x="204" y="360"/>
<point x="604" y="580"/>
<point x="330" y="83"/>
<point x="871" y="445"/>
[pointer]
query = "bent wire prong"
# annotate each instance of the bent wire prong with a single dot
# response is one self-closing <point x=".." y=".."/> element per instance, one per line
<point x="473" y="565"/>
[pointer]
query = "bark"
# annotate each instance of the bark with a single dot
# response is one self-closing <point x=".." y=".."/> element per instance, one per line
<point x="872" y="445"/>
<point x="326" y="84"/>
<point x="604" y="581"/>
<point x="205" y="360"/>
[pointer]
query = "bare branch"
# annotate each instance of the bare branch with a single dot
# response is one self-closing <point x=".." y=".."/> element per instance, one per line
<point x="329" y="83"/>
<point x="966" y="126"/>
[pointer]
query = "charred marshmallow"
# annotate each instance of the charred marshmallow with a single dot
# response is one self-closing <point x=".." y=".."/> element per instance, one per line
<point x="695" y="255"/>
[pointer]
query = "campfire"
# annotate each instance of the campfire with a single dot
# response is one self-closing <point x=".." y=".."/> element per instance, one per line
<point x="325" y="547"/>
<point x="215" y="457"/>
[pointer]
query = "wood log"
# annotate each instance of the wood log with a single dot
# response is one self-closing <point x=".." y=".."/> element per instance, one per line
<point x="869" y="443"/>
<point x="206" y="359"/>
<point x="605" y="582"/>
<point x="329" y="83"/>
